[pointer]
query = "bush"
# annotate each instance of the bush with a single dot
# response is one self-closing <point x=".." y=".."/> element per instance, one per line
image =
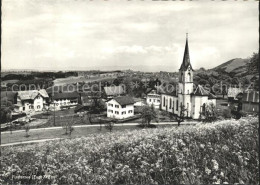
<point x="227" y="114"/>
<point x="220" y="152"/>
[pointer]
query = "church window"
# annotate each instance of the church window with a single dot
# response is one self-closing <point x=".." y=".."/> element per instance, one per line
<point x="189" y="77"/>
<point x="203" y="108"/>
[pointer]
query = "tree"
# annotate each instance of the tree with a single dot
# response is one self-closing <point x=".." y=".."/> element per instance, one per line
<point x="148" y="114"/>
<point x="110" y="125"/>
<point x="68" y="127"/>
<point x="27" y="128"/>
<point x="253" y="65"/>
<point x="181" y="117"/>
<point x="97" y="106"/>
<point x="210" y="113"/>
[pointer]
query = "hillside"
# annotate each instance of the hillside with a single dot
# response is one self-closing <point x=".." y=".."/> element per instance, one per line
<point x="236" y="66"/>
<point x="202" y="154"/>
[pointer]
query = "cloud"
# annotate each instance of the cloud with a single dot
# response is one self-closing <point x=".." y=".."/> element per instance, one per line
<point x="55" y="34"/>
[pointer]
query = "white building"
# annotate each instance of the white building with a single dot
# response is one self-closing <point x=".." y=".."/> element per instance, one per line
<point x="120" y="107"/>
<point x="194" y="102"/>
<point x="153" y="99"/>
<point x="33" y="100"/>
<point x="65" y="100"/>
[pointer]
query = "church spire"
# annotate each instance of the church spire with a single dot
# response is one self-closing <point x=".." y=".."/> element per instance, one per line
<point x="186" y="58"/>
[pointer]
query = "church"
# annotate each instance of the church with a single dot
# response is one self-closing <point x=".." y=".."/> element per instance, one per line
<point x="193" y="99"/>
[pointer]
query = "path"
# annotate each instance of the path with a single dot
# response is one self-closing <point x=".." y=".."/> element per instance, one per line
<point x="96" y="125"/>
<point x="29" y="142"/>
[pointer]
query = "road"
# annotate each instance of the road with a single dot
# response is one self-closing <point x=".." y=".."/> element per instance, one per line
<point x="116" y="125"/>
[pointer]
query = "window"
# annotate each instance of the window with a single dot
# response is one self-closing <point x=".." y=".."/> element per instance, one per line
<point x="170" y="104"/>
<point x="163" y="101"/>
<point x="116" y="112"/>
<point x="130" y="111"/>
<point x="189" y="77"/>
<point x="173" y="106"/>
<point x="158" y="101"/>
<point x="154" y="100"/>
<point x="124" y="112"/>
<point x="177" y="105"/>
<point x="123" y="106"/>
<point x="110" y="104"/>
<point x="38" y="107"/>
<point x="110" y="111"/>
<point x="150" y="99"/>
<point x="116" y="106"/>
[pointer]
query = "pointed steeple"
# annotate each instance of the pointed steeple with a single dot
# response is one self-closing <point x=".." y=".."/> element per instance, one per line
<point x="186" y="58"/>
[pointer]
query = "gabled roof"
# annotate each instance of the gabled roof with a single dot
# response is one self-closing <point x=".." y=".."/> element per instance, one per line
<point x="114" y="90"/>
<point x="124" y="100"/>
<point x="65" y="95"/>
<point x="200" y="91"/>
<point x="30" y="95"/>
<point x="251" y="96"/>
<point x="186" y="58"/>
<point x="234" y="91"/>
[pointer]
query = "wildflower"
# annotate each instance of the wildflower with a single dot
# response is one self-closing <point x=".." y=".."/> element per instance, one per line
<point x="215" y="164"/>
<point x="208" y="171"/>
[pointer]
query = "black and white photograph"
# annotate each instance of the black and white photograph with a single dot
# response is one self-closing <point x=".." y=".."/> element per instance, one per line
<point x="129" y="92"/>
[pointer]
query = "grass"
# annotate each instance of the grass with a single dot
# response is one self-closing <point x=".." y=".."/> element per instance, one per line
<point x="224" y="152"/>
<point x="59" y="133"/>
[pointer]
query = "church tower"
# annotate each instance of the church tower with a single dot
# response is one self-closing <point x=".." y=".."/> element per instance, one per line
<point x="185" y="81"/>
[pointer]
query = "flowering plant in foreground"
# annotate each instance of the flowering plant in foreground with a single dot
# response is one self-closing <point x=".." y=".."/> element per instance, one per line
<point x="222" y="152"/>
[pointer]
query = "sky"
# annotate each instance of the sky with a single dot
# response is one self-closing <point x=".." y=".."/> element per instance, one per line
<point x="138" y="35"/>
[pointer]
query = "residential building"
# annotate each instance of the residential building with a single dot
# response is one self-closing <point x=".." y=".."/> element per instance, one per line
<point x="250" y="101"/>
<point x="65" y="99"/>
<point x="194" y="102"/>
<point x="33" y="100"/>
<point x="153" y="99"/>
<point x="120" y="107"/>
<point x="233" y="92"/>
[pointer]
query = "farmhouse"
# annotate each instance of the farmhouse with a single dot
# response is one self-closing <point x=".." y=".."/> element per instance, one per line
<point x="120" y="107"/>
<point x="250" y="101"/>
<point x="65" y="99"/>
<point x="33" y="100"/>
<point x="191" y="103"/>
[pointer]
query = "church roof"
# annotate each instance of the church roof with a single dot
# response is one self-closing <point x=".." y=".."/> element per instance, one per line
<point x="200" y="91"/>
<point x="186" y="58"/>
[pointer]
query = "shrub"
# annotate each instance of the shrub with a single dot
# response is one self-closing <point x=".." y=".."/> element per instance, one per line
<point x="220" y="152"/>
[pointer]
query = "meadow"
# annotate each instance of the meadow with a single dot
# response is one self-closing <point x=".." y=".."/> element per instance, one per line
<point x="224" y="152"/>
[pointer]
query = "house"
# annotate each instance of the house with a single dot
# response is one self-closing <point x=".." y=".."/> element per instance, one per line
<point x="250" y="101"/>
<point x="233" y="92"/>
<point x="192" y="101"/>
<point x="65" y="100"/>
<point x="153" y="99"/>
<point x="113" y="91"/>
<point x="33" y="100"/>
<point x="120" y="107"/>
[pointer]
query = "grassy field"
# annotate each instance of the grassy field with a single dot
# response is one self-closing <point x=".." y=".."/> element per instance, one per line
<point x="224" y="152"/>
<point x="60" y="133"/>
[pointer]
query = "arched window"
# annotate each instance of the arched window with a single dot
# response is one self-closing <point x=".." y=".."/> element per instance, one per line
<point x="189" y="77"/>
<point x="203" y="108"/>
